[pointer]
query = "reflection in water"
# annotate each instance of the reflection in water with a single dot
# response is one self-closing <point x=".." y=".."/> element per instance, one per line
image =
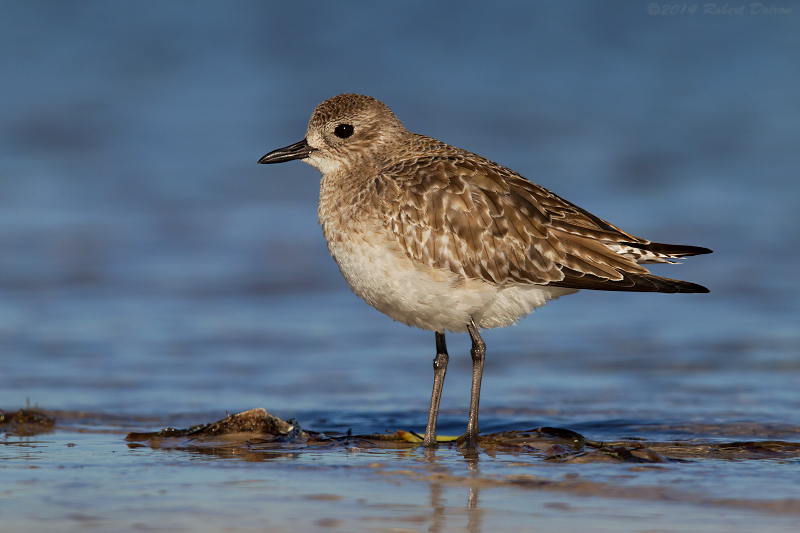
<point x="438" y="502"/>
<point x="475" y="514"/>
<point x="475" y="523"/>
<point x="438" y="509"/>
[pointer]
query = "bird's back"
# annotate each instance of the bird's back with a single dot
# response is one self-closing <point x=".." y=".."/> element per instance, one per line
<point x="452" y="209"/>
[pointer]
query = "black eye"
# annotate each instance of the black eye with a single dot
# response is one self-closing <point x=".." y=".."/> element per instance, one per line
<point x="343" y="131"/>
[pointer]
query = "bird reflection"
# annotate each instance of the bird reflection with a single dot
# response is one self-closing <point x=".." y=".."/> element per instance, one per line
<point x="438" y="498"/>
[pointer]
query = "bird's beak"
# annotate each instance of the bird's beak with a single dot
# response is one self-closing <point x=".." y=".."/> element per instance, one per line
<point x="299" y="150"/>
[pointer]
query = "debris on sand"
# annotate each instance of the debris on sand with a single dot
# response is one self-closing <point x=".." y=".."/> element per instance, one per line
<point x="26" y="422"/>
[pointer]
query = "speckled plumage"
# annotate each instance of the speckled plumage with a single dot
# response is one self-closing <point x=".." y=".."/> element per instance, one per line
<point x="443" y="239"/>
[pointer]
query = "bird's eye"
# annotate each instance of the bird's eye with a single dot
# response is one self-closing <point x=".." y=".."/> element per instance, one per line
<point x="343" y="131"/>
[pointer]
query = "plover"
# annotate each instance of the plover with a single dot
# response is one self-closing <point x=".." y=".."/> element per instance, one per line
<point x="446" y="240"/>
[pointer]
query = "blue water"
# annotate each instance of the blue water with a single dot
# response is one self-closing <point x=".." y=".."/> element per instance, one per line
<point x="149" y="267"/>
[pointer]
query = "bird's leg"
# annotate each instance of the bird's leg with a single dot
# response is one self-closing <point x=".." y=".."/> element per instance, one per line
<point x="478" y="353"/>
<point x="439" y="370"/>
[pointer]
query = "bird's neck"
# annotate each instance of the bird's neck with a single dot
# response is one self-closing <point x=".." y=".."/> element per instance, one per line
<point x="344" y="203"/>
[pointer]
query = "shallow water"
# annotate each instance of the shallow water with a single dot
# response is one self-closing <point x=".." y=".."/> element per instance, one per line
<point x="357" y="484"/>
<point x="152" y="275"/>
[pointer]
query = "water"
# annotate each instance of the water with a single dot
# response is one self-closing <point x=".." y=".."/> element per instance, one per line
<point x="152" y="275"/>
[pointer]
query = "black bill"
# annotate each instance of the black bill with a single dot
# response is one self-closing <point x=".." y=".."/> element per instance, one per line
<point x="298" y="150"/>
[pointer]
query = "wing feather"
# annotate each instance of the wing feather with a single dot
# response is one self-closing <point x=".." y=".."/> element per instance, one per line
<point x="462" y="212"/>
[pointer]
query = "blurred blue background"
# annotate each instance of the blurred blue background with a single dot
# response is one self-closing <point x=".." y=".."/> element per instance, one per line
<point x="148" y="265"/>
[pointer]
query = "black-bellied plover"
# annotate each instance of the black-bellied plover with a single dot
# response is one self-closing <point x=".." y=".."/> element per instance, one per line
<point x="446" y="240"/>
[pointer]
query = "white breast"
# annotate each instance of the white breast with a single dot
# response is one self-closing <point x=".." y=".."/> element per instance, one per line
<point x="378" y="270"/>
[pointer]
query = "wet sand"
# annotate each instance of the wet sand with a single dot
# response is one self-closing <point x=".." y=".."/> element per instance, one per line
<point x="244" y="474"/>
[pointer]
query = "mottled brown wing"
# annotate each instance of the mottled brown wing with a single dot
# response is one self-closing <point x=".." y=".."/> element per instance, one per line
<point x="461" y="212"/>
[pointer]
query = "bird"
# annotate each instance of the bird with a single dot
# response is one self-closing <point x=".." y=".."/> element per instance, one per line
<point x="445" y="240"/>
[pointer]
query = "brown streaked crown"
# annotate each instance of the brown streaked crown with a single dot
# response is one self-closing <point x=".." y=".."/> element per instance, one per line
<point x="368" y="124"/>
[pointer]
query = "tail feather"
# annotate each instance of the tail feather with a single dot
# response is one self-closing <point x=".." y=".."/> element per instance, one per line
<point x="631" y="282"/>
<point x="670" y="250"/>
